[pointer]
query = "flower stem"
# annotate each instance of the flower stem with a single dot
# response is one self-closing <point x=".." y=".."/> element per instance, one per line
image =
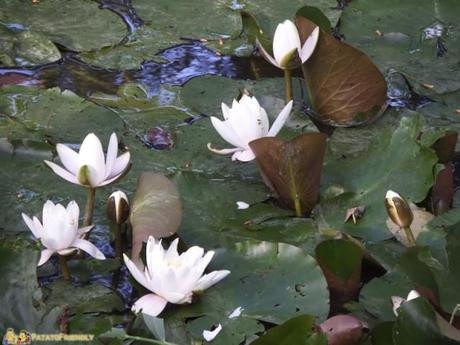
<point x="288" y="84"/>
<point x="118" y="241"/>
<point x="410" y="237"/>
<point x="147" y="340"/>
<point x="64" y="268"/>
<point x="298" y="208"/>
<point x="88" y="218"/>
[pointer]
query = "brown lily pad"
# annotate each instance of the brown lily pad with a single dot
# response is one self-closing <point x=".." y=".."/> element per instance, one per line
<point x="343" y="330"/>
<point x="292" y="169"/>
<point x="156" y="210"/>
<point x="346" y="88"/>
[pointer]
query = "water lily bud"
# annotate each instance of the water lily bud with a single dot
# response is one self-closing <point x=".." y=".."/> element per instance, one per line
<point x="118" y="207"/>
<point x="398" y="209"/>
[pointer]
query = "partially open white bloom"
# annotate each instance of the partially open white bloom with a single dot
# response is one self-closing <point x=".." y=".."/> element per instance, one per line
<point x="59" y="232"/>
<point x="398" y="301"/>
<point x="244" y="122"/>
<point x="286" y="43"/>
<point x="89" y="167"/>
<point x="172" y="277"/>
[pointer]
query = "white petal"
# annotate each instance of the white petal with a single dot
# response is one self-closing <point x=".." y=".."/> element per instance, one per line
<point x="266" y="55"/>
<point x="192" y="256"/>
<point x="223" y="151"/>
<point x="88" y="247"/>
<point x="286" y="39"/>
<point x="243" y="156"/>
<point x="210" y="279"/>
<point x="38" y="226"/>
<point x="136" y="273"/>
<point x="111" y="157"/>
<point x="225" y="110"/>
<point x="60" y="230"/>
<point x="245" y="123"/>
<point x="67" y="251"/>
<point x="396" y="301"/>
<point x="68" y="157"/>
<point x="242" y="205"/>
<point x="44" y="256"/>
<point x="227" y="132"/>
<point x="210" y="335"/>
<point x="280" y="120"/>
<point x="237" y="312"/>
<point x="171" y="253"/>
<point x="30" y="224"/>
<point x="84" y="230"/>
<point x="73" y="211"/>
<point x="92" y="155"/>
<point x="120" y="165"/>
<point x="309" y="45"/>
<point x="108" y="181"/>
<point x="155" y="252"/>
<point x="390" y="195"/>
<point x="413" y="295"/>
<point x="66" y="175"/>
<point x="150" y="304"/>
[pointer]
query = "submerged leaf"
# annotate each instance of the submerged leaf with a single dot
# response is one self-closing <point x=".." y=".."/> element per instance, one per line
<point x="156" y="210"/>
<point x="346" y="88"/>
<point x="292" y="170"/>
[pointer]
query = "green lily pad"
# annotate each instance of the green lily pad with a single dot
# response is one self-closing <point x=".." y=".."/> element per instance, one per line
<point x="417" y="324"/>
<point x="91" y="297"/>
<point x="77" y="25"/>
<point x="26" y="48"/>
<point x="394" y="161"/>
<point x="272" y="282"/>
<point x="21" y="296"/>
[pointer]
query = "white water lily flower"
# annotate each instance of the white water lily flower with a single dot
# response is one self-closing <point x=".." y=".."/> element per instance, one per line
<point x="210" y="335"/>
<point x="286" y="43"/>
<point x="172" y="277"/>
<point x="398" y="301"/>
<point x="89" y="167"/>
<point x="59" y="231"/>
<point x="244" y="122"/>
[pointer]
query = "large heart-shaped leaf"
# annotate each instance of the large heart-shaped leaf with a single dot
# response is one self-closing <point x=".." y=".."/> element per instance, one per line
<point x="346" y="88"/>
<point x="156" y="210"/>
<point x="271" y="282"/>
<point x="292" y="169"/>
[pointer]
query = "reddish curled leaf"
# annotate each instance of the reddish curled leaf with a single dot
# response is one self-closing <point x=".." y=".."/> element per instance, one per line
<point x="343" y="330"/>
<point x="156" y="210"/>
<point x="346" y="88"/>
<point x="445" y="147"/>
<point x="292" y="169"/>
<point x="442" y="193"/>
